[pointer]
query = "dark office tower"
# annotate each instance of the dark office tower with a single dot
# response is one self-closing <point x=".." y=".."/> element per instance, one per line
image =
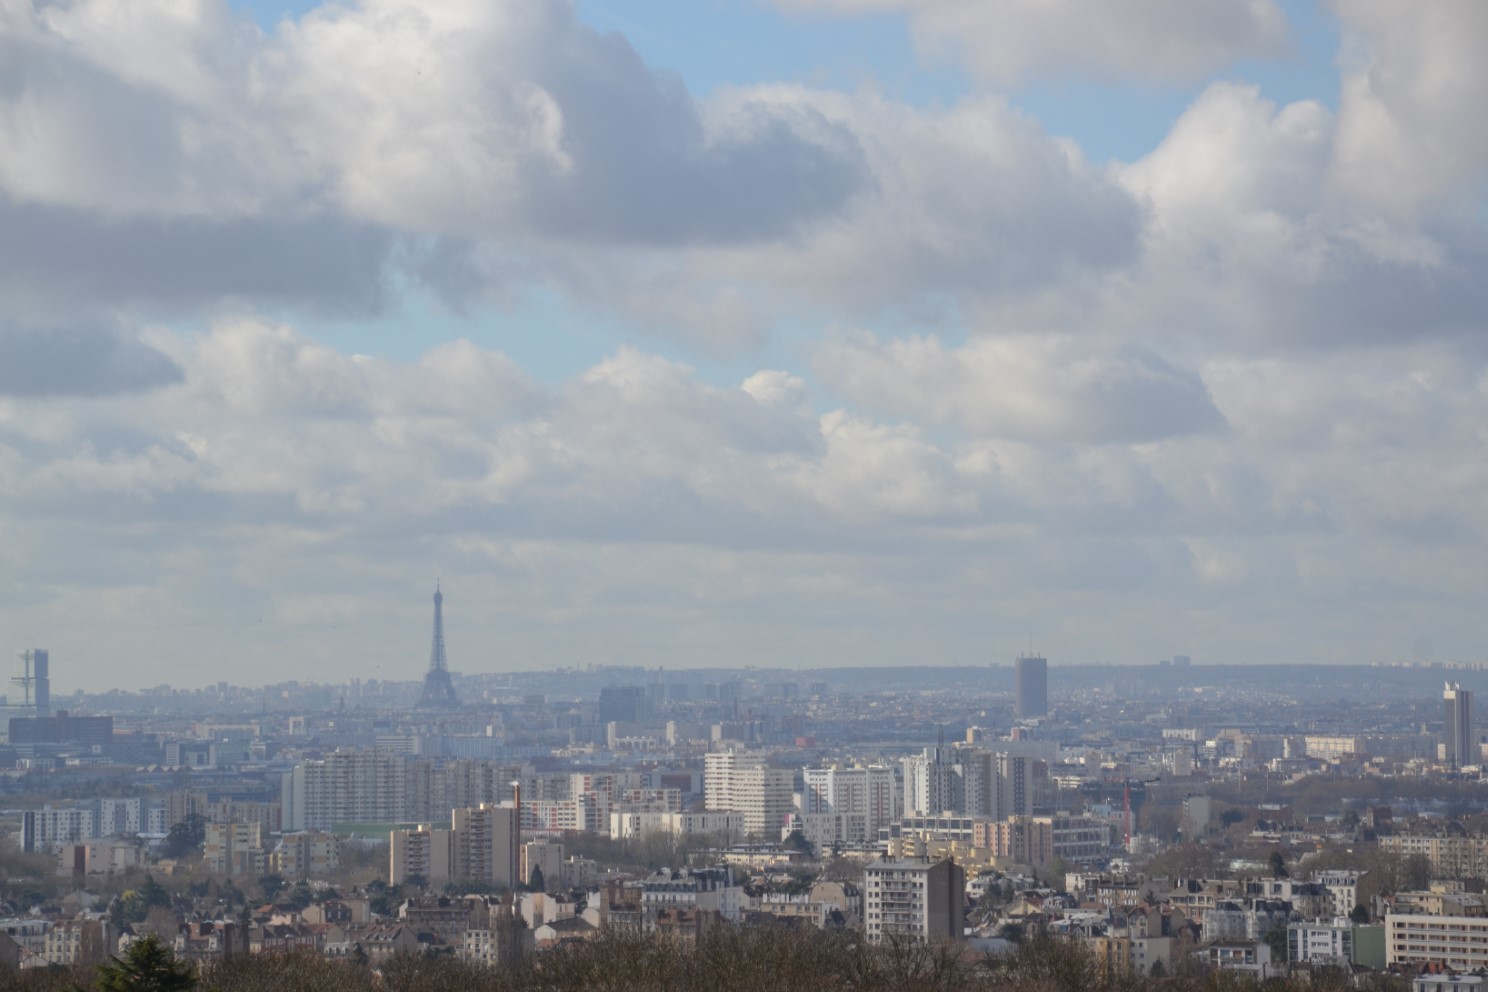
<point x="439" y="691"/>
<point x="1033" y="687"/>
<point x="1457" y="732"/>
<point x="33" y="675"/>
<point x="622" y="704"/>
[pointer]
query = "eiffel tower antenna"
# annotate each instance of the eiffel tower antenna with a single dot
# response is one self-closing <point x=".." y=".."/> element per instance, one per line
<point x="439" y="691"/>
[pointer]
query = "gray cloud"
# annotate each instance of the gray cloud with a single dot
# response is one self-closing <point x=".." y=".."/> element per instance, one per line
<point x="80" y="361"/>
<point x="56" y="258"/>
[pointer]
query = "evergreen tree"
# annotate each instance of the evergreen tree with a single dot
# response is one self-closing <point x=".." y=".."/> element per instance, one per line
<point x="152" y="894"/>
<point x="301" y="895"/>
<point x="1276" y="939"/>
<point x="148" y="966"/>
<point x="187" y="836"/>
<point x="537" y="883"/>
<point x="271" y="884"/>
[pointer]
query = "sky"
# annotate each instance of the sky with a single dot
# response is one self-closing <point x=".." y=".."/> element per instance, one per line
<point x="696" y="333"/>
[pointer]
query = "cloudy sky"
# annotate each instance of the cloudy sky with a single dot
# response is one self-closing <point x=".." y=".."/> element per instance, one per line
<point x="691" y="332"/>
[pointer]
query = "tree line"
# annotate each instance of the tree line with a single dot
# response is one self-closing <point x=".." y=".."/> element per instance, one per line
<point x="726" y="959"/>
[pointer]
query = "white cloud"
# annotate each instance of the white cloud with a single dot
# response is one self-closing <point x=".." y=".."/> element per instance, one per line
<point x="1252" y="246"/>
<point x="1241" y="378"/>
<point x="1027" y="387"/>
<point x="974" y="200"/>
<point x="289" y="465"/>
<point x="1413" y="89"/>
<point x="463" y="118"/>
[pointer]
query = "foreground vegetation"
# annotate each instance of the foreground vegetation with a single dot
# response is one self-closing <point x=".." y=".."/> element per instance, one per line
<point x="728" y="959"/>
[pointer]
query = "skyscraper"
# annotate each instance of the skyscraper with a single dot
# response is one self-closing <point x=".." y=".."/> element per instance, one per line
<point x="33" y="675"/>
<point x="1457" y="731"/>
<point x="1033" y="687"/>
<point x="439" y="691"/>
<point x="622" y="704"/>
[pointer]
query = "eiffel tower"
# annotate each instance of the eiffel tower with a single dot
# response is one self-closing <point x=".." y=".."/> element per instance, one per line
<point x="439" y="691"/>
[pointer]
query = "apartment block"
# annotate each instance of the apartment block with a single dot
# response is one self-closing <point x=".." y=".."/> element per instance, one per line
<point x="1343" y="890"/>
<point x="828" y="830"/>
<point x="486" y="843"/>
<point x="724" y="823"/>
<point x="742" y="782"/>
<point x="1459" y="942"/>
<point x="545" y="855"/>
<point x="48" y="828"/>
<point x="99" y="858"/>
<point x="1336" y="942"/>
<point x="346" y="787"/>
<point x="308" y="854"/>
<point x="1450" y="856"/>
<point x="870" y="792"/>
<point x="235" y="849"/>
<point x="79" y="943"/>
<point x="427" y="852"/>
<point x="915" y="899"/>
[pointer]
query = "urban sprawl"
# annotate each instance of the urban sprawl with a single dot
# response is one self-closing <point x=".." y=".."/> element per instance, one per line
<point x="1169" y="818"/>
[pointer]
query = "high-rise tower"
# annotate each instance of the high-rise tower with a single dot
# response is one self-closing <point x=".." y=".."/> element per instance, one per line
<point x="439" y="691"/>
<point x="1461" y="749"/>
<point x="1033" y="687"/>
<point x="33" y="675"/>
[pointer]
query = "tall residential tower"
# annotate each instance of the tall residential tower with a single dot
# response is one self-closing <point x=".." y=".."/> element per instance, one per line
<point x="1033" y="687"/>
<point x="1457" y="730"/>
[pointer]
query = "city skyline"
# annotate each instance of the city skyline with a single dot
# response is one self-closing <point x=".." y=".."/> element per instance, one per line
<point x="793" y="333"/>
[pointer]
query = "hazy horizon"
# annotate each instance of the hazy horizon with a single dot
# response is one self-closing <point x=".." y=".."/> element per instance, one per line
<point x="798" y="333"/>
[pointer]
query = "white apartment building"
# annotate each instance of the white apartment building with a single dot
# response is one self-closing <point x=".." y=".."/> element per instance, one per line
<point x="346" y="787"/>
<point x="1459" y="942"/>
<point x="122" y="817"/>
<point x="157" y="820"/>
<point x="563" y="815"/>
<point x="1343" y="889"/>
<point x="828" y="830"/>
<point x="742" y="782"/>
<point x="627" y="825"/>
<point x="1336" y="942"/>
<point x="48" y="828"/>
<point x="870" y="792"/>
<point x="913" y="898"/>
<point x="1321" y="943"/>
<point x="975" y="782"/>
<point x="932" y="783"/>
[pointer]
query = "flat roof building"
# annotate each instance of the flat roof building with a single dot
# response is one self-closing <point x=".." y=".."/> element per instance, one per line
<point x="914" y="898"/>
